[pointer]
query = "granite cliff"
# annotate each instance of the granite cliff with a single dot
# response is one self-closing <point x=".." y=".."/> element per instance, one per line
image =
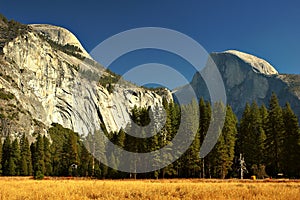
<point x="52" y="80"/>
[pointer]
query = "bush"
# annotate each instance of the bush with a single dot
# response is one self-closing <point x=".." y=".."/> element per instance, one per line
<point x="3" y="18"/>
<point x="6" y="95"/>
<point x="69" y="49"/>
<point x="38" y="175"/>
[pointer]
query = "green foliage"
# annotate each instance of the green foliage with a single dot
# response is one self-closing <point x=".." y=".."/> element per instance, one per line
<point x="252" y="137"/>
<point x="89" y="75"/>
<point x="38" y="175"/>
<point x="269" y="139"/>
<point x="274" y="137"/>
<point x="0" y="156"/>
<point x="47" y="156"/>
<point x="221" y="157"/>
<point x="15" y="157"/>
<point x="64" y="149"/>
<point x="109" y="80"/>
<point x="26" y="163"/>
<point x="6" y="156"/>
<point x="38" y="154"/>
<point x="69" y="49"/>
<point x="3" y="18"/>
<point x="291" y="143"/>
<point x="6" y="95"/>
<point x="10" y="30"/>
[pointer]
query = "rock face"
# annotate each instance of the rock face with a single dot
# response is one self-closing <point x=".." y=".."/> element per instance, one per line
<point x="248" y="78"/>
<point x="52" y="85"/>
<point x="259" y="65"/>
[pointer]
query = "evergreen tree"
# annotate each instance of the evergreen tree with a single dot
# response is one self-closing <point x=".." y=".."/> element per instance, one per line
<point x="229" y="133"/>
<point x="6" y="156"/>
<point x="73" y="154"/>
<point x="221" y="157"/>
<point x="60" y="149"/>
<point x="252" y="137"/>
<point x="85" y="160"/>
<point x="0" y="155"/>
<point x="26" y="163"/>
<point x="32" y="152"/>
<point x="244" y="131"/>
<point x="99" y="153"/>
<point x="291" y="143"/>
<point x="47" y="156"/>
<point x="204" y="122"/>
<point x="39" y="164"/>
<point x="264" y="116"/>
<point x="190" y="127"/>
<point x="274" y="137"/>
<point x="16" y="157"/>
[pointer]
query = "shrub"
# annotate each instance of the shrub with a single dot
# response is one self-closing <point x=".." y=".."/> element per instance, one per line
<point x="6" y="95"/>
<point x="38" y="175"/>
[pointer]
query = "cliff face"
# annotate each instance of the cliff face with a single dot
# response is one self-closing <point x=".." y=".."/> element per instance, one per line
<point x="248" y="78"/>
<point x="50" y="76"/>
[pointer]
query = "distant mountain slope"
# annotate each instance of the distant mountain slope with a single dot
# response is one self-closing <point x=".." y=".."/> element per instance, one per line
<point x="248" y="78"/>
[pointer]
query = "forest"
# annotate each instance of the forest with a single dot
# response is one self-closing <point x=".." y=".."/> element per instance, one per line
<point x="267" y="136"/>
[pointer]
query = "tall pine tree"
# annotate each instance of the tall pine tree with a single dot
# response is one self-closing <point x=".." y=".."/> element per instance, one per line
<point x="6" y="156"/>
<point x="39" y="164"/>
<point x="274" y="137"/>
<point x="16" y="157"/>
<point x="291" y="143"/>
<point x="26" y="164"/>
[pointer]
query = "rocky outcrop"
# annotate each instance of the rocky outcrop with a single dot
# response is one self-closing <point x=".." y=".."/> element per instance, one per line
<point x="52" y="84"/>
<point x="60" y="35"/>
<point x="258" y="65"/>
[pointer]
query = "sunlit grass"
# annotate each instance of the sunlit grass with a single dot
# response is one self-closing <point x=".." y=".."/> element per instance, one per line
<point x="26" y="188"/>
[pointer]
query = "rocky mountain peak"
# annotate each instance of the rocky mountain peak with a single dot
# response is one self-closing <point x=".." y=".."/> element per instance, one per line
<point x="60" y="35"/>
<point x="258" y="65"/>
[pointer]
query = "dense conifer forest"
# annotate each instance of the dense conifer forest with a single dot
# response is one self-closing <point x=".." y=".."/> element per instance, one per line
<point x="268" y="138"/>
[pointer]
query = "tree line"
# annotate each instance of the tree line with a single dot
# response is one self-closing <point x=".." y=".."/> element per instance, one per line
<point x="267" y="137"/>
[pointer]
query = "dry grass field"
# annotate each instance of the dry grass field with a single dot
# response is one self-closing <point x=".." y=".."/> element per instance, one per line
<point x="80" y="189"/>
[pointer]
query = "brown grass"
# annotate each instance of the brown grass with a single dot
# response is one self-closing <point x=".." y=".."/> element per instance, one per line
<point x="80" y="189"/>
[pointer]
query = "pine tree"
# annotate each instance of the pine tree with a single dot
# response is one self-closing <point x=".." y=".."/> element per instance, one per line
<point x="244" y="131"/>
<point x="218" y="113"/>
<point x="0" y="155"/>
<point x="264" y="116"/>
<point x="229" y="133"/>
<point x="291" y="143"/>
<point x="99" y="153"/>
<point x="252" y="137"/>
<point x="274" y="137"/>
<point x="47" y="156"/>
<point x="204" y="122"/>
<point x="6" y="156"/>
<point x="71" y="155"/>
<point x="39" y="164"/>
<point x="85" y="160"/>
<point x="26" y="163"/>
<point x="16" y="157"/>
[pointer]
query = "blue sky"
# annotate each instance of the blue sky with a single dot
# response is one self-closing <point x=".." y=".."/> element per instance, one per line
<point x="268" y="29"/>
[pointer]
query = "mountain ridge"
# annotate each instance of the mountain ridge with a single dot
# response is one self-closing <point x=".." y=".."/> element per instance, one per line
<point x="50" y="74"/>
<point x="55" y="83"/>
<point x="244" y="85"/>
